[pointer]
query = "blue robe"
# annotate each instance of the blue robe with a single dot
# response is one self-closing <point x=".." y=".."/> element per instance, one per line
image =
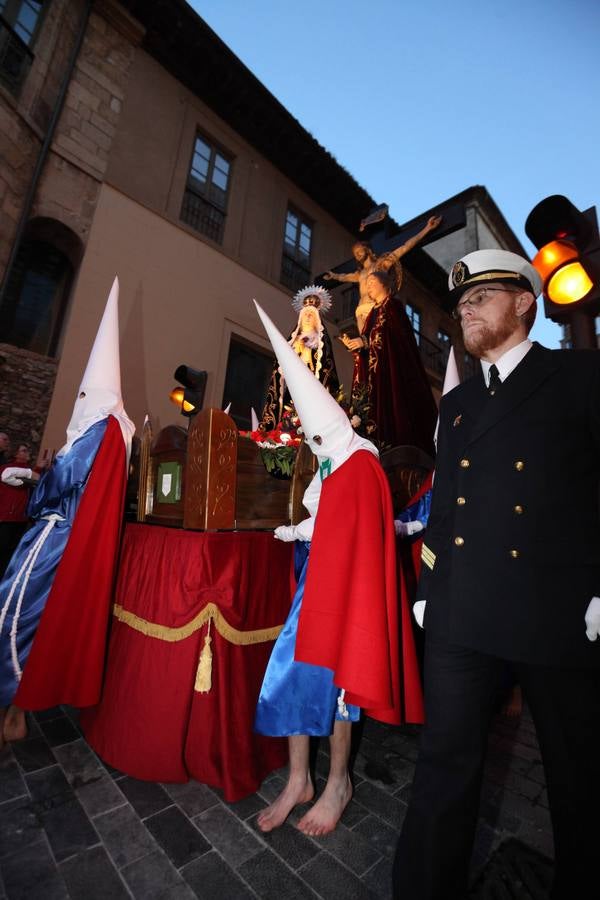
<point x="57" y="493"/>
<point x="297" y="698"/>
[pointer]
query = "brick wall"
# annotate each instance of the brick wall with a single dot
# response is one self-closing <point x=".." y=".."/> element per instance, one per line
<point x="27" y="381"/>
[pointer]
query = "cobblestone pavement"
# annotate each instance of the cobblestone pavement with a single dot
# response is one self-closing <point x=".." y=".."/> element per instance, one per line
<point x="72" y="827"/>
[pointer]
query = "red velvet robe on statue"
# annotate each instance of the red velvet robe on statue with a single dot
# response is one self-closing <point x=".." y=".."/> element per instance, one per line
<point x="66" y="661"/>
<point x="391" y="373"/>
<point x="349" y="619"/>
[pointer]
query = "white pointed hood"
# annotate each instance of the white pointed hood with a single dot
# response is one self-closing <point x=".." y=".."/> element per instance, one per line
<point x="451" y="380"/>
<point x="99" y="393"/>
<point x="327" y="429"/>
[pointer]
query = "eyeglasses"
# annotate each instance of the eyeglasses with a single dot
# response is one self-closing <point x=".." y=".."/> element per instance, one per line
<point x="478" y="298"/>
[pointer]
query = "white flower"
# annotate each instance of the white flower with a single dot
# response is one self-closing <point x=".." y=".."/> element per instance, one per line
<point x="285" y="438"/>
<point x="299" y="430"/>
<point x="355" y="421"/>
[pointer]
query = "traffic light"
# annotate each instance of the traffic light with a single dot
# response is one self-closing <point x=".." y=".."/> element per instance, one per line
<point x="190" y="397"/>
<point x="569" y="256"/>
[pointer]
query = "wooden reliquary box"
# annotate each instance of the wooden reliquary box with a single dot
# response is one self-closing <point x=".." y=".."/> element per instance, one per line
<point x="212" y="478"/>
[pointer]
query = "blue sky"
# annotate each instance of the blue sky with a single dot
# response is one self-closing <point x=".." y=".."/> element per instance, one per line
<point x="420" y="100"/>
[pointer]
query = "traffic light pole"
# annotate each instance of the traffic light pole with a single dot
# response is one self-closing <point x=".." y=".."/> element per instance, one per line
<point x="583" y="330"/>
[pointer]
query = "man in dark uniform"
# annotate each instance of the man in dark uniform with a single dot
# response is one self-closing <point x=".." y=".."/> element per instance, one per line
<point x="511" y="572"/>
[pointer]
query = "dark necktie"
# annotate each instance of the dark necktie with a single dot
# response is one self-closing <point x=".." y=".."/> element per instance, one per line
<point x="494" y="380"/>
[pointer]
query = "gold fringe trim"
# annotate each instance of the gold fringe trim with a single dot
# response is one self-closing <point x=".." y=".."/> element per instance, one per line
<point x="210" y="612"/>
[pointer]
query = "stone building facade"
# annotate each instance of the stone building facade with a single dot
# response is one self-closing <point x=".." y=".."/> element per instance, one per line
<point x="134" y="143"/>
<point x="59" y="112"/>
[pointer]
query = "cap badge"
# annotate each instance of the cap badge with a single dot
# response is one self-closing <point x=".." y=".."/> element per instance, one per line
<point x="459" y="273"/>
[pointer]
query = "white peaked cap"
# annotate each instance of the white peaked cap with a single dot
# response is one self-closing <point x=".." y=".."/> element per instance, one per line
<point x="320" y="415"/>
<point x="101" y="382"/>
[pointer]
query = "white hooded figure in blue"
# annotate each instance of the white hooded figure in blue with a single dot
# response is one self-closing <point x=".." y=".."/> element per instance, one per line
<point x="28" y="580"/>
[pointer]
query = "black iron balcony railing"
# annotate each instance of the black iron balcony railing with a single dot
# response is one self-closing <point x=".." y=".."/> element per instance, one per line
<point x="293" y="274"/>
<point x="433" y="355"/>
<point x="203" y="216"/>
<point x="15" y="58"/>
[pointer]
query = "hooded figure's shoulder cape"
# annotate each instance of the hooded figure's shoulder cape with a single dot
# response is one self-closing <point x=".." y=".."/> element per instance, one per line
<point x="66" y="661"/>
<point x="349" y="621"/>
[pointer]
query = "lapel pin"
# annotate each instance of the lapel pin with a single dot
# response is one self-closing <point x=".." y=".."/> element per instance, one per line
<point x="457" y="421"/>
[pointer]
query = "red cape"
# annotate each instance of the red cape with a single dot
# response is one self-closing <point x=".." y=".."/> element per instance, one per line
<point x="349" y="618"/>
<point x="66" y="661"/>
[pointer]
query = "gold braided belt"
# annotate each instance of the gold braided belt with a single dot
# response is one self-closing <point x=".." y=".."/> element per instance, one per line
<point x="210" y="613"/>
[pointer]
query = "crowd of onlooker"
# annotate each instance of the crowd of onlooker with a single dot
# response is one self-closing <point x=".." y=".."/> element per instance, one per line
<point x="13" y="500"/>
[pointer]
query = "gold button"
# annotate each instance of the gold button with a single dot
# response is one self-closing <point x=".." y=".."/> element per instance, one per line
<point x="519" y="465"/>
<point x="460" y="501"/>
<point x="459" y="541"/>
<point x="518" y="509"/>
<point x="465" y="463"/>
<point x="514" y="554"/>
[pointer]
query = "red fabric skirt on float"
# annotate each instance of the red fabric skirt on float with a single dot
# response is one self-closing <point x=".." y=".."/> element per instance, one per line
<point x="194" y="622"/>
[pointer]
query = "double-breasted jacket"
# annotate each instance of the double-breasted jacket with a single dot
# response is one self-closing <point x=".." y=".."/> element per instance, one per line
<point x="511" y="556"/>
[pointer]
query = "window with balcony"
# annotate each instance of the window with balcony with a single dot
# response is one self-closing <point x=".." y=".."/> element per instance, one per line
<point x="204" y="205"/>
<point x="444" y="344"/>
<point x="19" y="24"/>
<point x="414" y="316"/>
<point x="297" y="243"/>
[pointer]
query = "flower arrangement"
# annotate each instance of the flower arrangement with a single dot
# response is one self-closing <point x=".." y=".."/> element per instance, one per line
<point x="358" y="410"/>
<point x="278" y="446"/>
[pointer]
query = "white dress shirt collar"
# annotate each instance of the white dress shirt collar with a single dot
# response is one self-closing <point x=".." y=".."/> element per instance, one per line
<point x="507" y="362"/>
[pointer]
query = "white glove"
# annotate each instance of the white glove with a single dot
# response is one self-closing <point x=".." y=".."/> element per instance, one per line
<point x="406" y="529"/>
<point x="14" y="476"/>
<point x="592" y="619"/>
<point x="419" y="612"/>
<point x="303" y="531"/>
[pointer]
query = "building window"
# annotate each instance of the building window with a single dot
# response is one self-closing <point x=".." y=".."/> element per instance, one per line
<point x="297" y="241"/>
<point x="19" y="24"/>
<point x="469" y="365"/>
<point x="205" y="199"/>
<point x="35" y="299"/>
<point x="444" y="343"/>
<point x="249" y="369"/>
<point x="415" y="320"/>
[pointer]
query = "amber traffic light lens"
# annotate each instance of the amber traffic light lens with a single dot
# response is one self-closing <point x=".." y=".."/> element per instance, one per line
<point x="552" y="256"/>
<point x="570" y="284"/>
<point x="176" y="397"/>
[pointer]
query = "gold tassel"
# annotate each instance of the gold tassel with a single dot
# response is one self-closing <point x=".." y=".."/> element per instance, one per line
<point x="204" y="672"/>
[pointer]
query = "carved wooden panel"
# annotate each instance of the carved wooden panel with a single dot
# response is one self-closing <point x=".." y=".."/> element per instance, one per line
<point x="211" y="471"/>
<point x="145" y="482"/>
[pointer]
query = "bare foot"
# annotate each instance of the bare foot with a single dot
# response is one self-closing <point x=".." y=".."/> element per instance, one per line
<point x="15" y="725"/>
<point x="294" y="793"/>
<point x="327" y="811"/>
